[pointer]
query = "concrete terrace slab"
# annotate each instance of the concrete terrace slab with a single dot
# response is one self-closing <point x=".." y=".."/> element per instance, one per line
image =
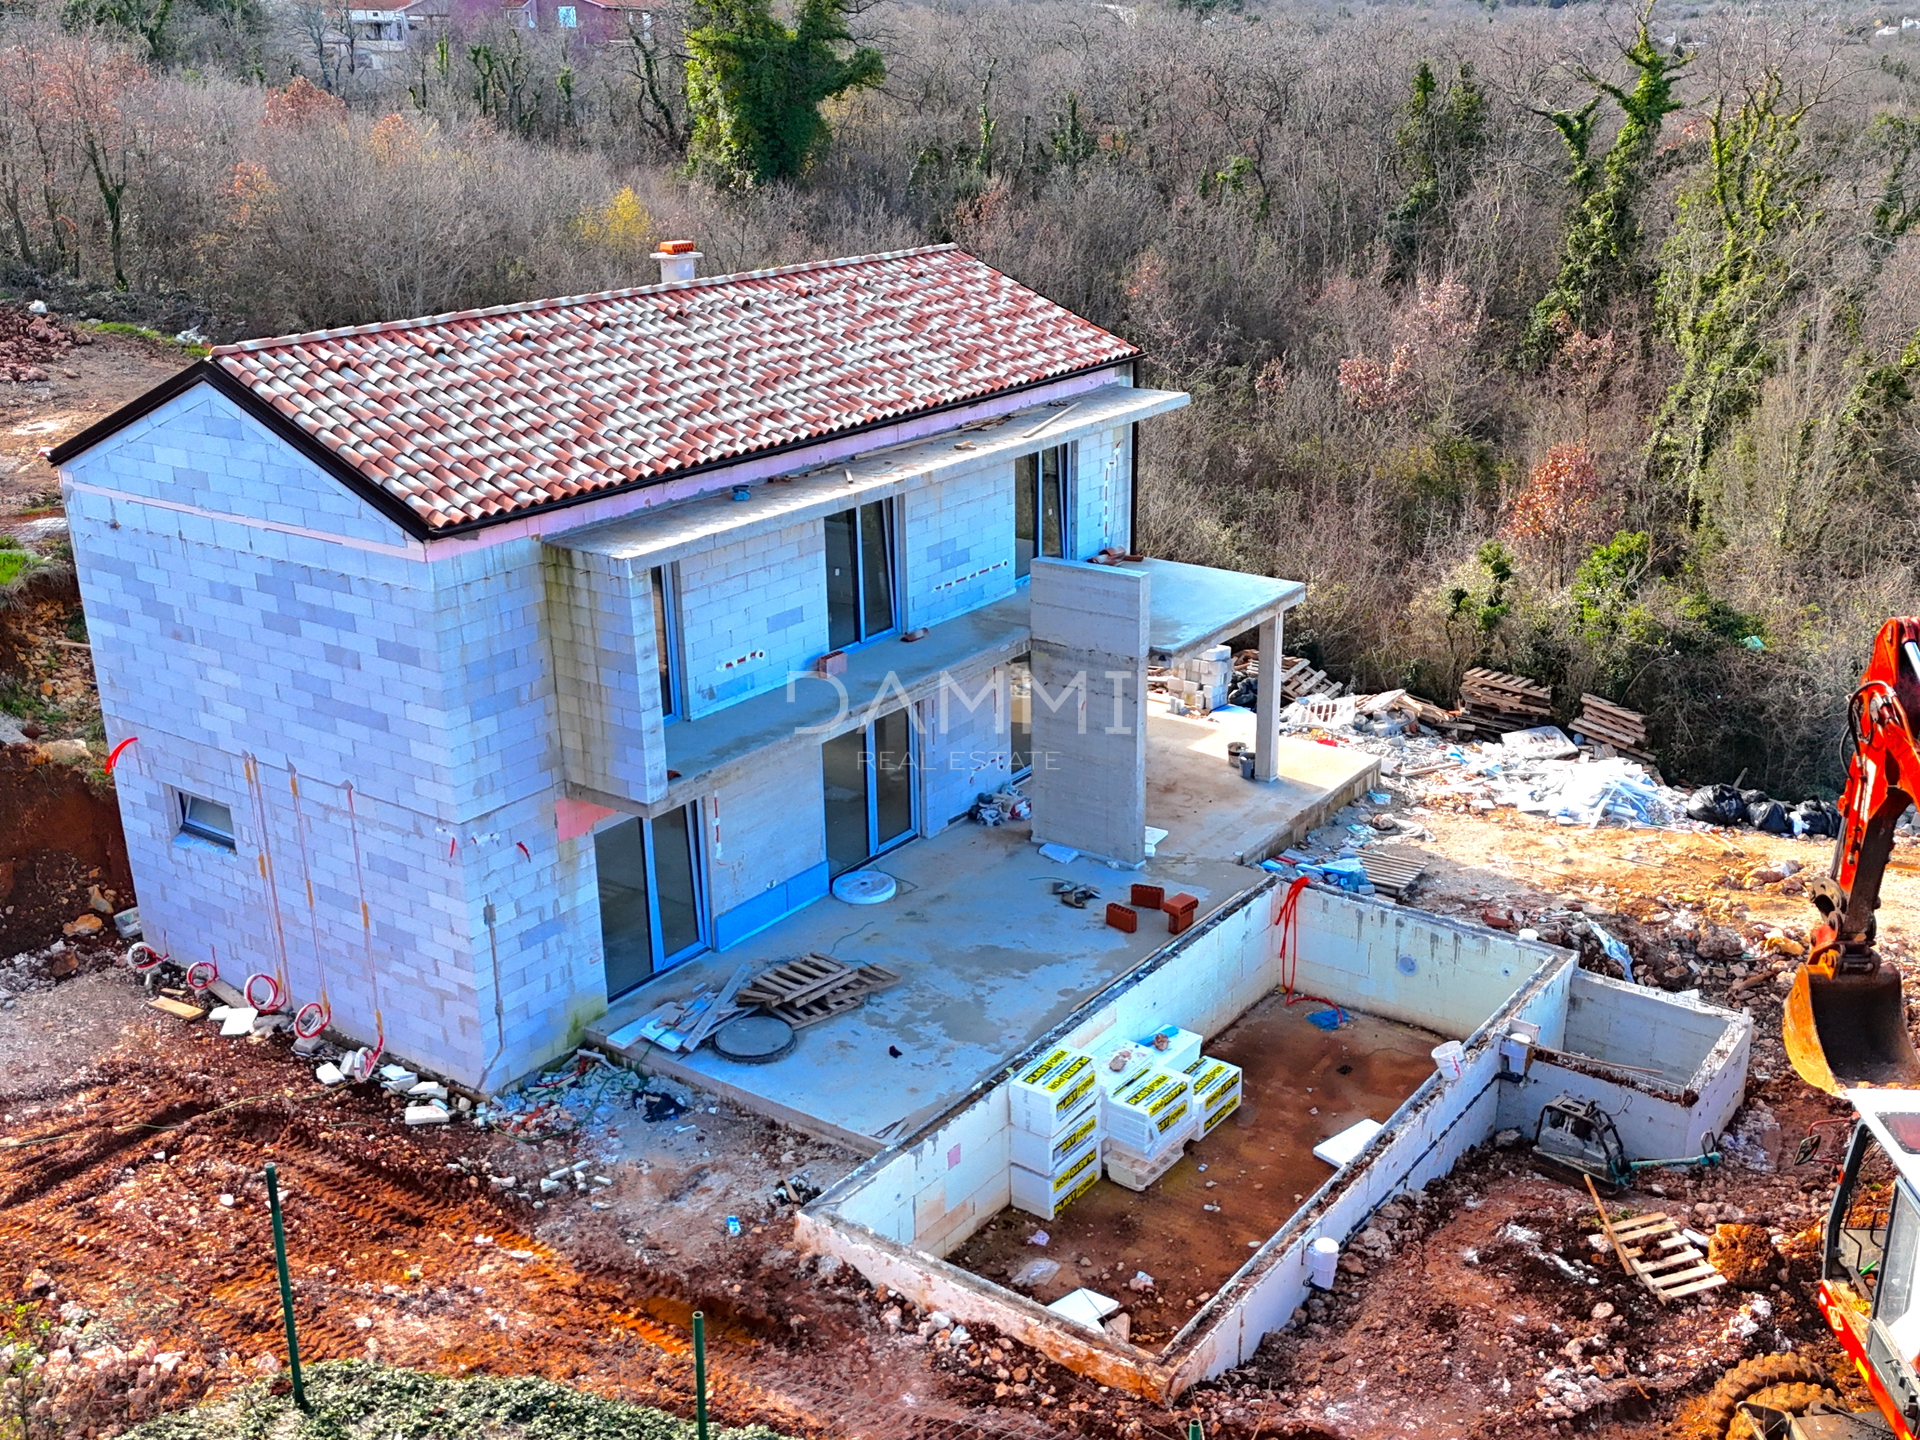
<point x="989" y="961"/>
<point x="1191" y="607"/>
<point x="1208" y="809"/>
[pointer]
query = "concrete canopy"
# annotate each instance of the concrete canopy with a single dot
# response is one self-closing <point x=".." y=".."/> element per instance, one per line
<point x="1194" y="607"/>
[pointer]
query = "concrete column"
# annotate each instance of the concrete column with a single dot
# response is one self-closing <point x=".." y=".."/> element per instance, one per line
<point x="1266" y="725"/>
<point x="1089" y="657"/>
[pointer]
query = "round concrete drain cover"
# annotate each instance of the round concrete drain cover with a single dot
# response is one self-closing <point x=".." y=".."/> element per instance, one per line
<point x="864" y="887"/>
<point x="754" y="1039"/>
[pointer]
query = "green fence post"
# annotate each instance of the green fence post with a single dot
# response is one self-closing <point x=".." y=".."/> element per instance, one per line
<point x="1193" y="1430"/>
<point x="286" y="1285"/>
<point x="700" y="1375"/>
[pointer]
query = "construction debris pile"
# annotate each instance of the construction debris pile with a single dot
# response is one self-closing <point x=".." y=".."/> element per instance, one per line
<point x="588" y="1093"/>
<point x="30" y="337"/>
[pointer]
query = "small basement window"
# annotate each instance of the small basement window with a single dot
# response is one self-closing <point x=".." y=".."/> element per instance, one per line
<point x="206" y="820"/>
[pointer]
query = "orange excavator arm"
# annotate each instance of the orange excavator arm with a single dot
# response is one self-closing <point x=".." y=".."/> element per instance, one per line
<point x="1845" y="1023"/>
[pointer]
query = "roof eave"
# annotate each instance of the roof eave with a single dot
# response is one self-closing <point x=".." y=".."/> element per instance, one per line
<point x="206" y="372"/>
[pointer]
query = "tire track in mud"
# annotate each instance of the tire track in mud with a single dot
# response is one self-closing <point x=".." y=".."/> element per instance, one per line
<point x="113" y="1190"/>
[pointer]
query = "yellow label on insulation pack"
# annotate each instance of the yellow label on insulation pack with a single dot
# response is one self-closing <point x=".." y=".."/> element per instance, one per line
<point x="1213" y="1081"/>
<point x="1067" y="1178"/>
<point x="1077" y="1136"/>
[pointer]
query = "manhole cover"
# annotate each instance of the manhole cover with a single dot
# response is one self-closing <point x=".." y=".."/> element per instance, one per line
<point x="754" y="1039"/>
<point x="864" y="887"/>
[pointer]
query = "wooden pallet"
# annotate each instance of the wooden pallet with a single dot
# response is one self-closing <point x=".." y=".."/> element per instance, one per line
<point x="1299" y="680"/>
<point x="850" y="994"/>
<point x="1496" y="703"/>
<point x="1506" y="692"/>
<point x="1608" y="723"/>
<point x="1391" y="874"/>
<point x="796" y="981"/>
<point x="1653" y="1251"/>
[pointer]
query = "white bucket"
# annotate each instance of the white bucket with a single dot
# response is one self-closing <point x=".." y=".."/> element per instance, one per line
<point x="1446" y="1059"/>
<point x="1322" y="1256"/>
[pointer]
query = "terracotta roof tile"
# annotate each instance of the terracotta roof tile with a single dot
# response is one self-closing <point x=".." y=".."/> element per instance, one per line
<point x="528" y="405"/>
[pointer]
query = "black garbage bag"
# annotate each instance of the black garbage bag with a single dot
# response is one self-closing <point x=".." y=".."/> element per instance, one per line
<point x="1754" y="797"/>
<point x="1816" y="817"/>
<point x="1769" y="815"/>
<point x="1717" y="805"/>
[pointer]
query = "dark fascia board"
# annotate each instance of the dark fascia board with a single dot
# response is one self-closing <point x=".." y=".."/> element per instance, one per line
<point x="206" y="372"/>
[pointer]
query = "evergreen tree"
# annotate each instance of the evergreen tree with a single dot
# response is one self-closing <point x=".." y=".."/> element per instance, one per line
<point x="755" y="86"/>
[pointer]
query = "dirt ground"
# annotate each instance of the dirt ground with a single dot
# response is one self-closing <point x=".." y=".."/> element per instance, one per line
<point x="132" y="1211"/>
<point x="85" y="384"/>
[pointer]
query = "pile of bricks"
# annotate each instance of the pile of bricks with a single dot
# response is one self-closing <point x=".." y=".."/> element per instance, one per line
<point x="1179" y="909"/>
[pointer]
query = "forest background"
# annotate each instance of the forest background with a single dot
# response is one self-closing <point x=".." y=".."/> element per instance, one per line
<point x="1579" y="342"/>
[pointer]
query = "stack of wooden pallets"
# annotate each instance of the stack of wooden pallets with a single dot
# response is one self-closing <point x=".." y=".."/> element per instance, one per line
<point x="1497" y="703"/>
<point x="814" y="988"/>
<point x="1604" y="722"/>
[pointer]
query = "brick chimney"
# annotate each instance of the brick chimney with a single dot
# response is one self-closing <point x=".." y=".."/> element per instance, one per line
<point x="677" y="259"/>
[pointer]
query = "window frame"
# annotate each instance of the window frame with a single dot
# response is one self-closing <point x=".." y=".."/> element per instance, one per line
<point x="663" y="594"/>
<point x="891" y="532"/>
<point x="1017" y="772"/>
<point x="1069" y="453"/>
<point x="193" y="829"/>
<point x="659" y="961"/>
<point x="913" y="763"/>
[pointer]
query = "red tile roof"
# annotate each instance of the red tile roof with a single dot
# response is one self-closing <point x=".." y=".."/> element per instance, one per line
<point x="487" y="414"/>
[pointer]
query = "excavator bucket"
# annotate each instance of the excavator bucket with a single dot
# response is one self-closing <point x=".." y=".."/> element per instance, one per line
<point x="1849" y="1030"/>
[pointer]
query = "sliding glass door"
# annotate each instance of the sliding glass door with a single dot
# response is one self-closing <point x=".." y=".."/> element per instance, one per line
<point x="859" y="574"/>
<point x="867" y="778"/>
<point x="650" y="900"/>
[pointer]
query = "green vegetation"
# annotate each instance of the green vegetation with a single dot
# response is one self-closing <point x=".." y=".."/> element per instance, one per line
<point x="755" y="86"/>
<point x="1728" y="271"/>
<point x="1437" y="143"/>
<point x="353" y="1400"/>
<point x="142" y="332"/>
<point x="1601" y="258"/>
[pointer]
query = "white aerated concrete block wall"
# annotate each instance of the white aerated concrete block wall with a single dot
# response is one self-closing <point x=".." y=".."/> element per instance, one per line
<point x="1102" y="496"/>
<point x="767" y="824"/>
<point x="606" y="675"/>
<point x="965" y="745"/>
<point x="1699" y="1051"/>
<point x="955" y="542"/>
<point x="937" y="1190"/>
<point x="245" y="648"/>
<point x="751" y="611"/>
<point x="1403" y="965"/>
